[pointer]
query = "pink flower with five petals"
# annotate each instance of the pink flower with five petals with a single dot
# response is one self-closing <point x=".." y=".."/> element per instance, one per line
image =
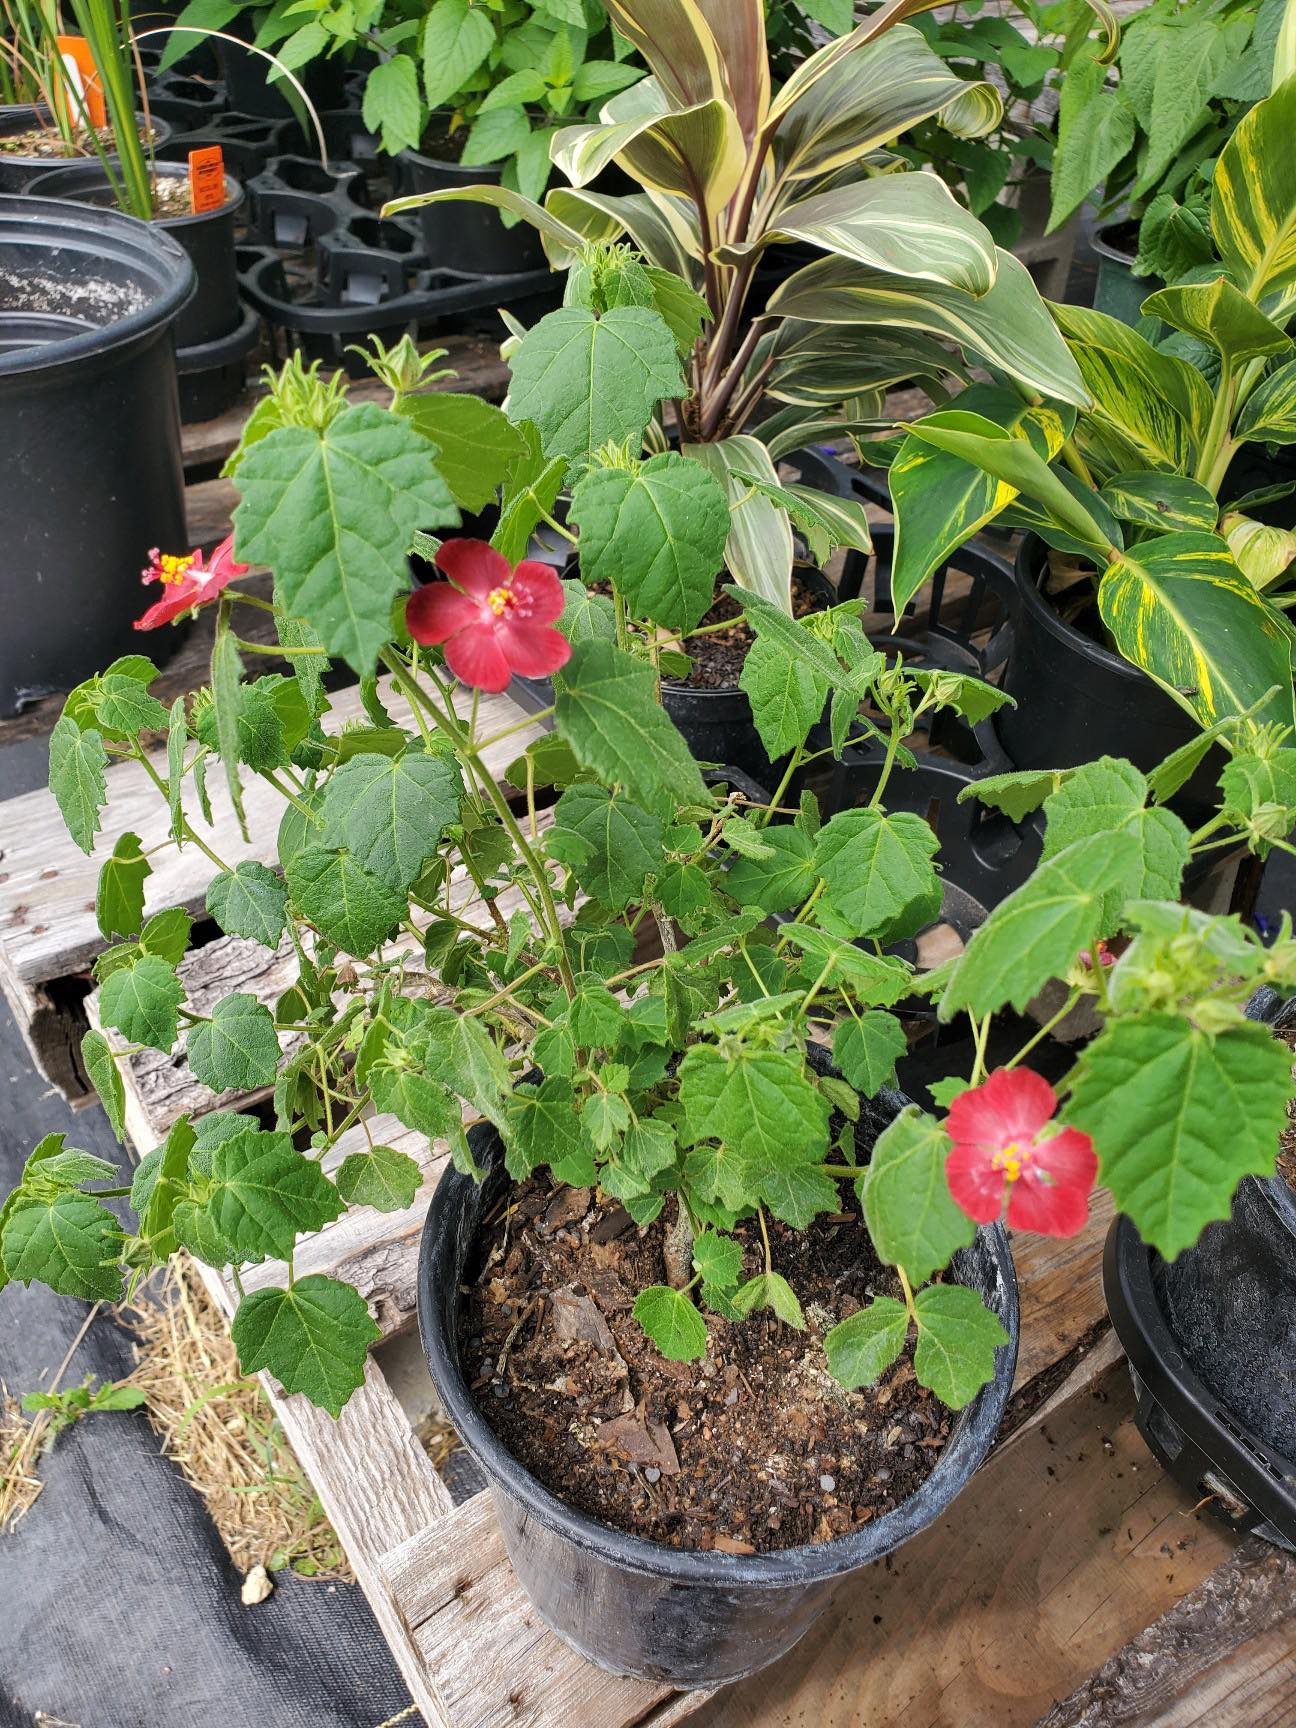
<point x="1000" y="1146"/>
<point x="188" y="582"/>
<point x="495" y="620"/>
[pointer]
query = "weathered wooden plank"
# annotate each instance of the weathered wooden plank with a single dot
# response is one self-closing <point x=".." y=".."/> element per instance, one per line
<point x="1067" y="1541"/>
<point x="496" y="1663"/>
<point x="1225" y="1654"/>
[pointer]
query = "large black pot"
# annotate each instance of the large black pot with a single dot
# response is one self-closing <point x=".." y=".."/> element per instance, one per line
<point x="637" y="1607"/>
<point x="215" y="332"/>
<point x="468" y="239"/>
<point x="1076" y="700"/>
<point x="1211" y="1341"/>
<point x="92" y="475"/>
<point x="17" y="172"/>
<point x="1119" y="292"/>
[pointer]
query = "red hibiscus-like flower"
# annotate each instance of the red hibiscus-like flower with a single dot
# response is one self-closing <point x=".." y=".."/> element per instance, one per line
<point x="999" y="1144"/>
<point x="187" y="581"/>
<point x="495" y="620"/>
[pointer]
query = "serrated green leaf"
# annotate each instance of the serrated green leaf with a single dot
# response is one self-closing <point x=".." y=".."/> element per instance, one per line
<point x="382" y="1178"/>
<point x="912" y="1219"/>
<point x="77" y="761"/>
<point x="769" y="1290"/>
<point x="265" y="1193"/>
<point x="718" y="1258"/>
<point x="68" y="1242"/>
<point x="314" y="1338"/>
<point x="425" y="1105"/>
<point x="333" y="513"/>
<point x="105" y="1077"/>
<point x="476" y="443"/>
<point x="389" y="813"/>
<point x="787" y="696"/>
<point x="544" y="1128"/>
<point x="237" y="1050"/>
<point x="863" y="1346"/>
<point x="878" y="979"/>
<point x="141" y="1000"/>
<point x="1040" y="929"/>
<point x="608" y="713"/>
<point x="778" y="882"/>
<point x="584" y="381"/>
<point x="1016" y="793"/>
<point x="957" y="1340"/>
<point x="1109" y="796"/>
<point x="658" y="535"/>
<point x="619" y="844"/>
<point x="342" y="900"/>
<point x="250" y="901"/>
<point x="177" y="740"/>
<point x="866" y="1048"/>
<point x="124" y="707"/>
<point x="1178" y="1116"/>
<point x="119" y="895"/>
<point x="672" y="1322"/>
<point x="874" y="865"/>
<point x="166" y="934"/>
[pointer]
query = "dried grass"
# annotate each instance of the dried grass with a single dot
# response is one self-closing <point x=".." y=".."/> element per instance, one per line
<point x="20" y="1442"/>
<point x="222" y="1432"/>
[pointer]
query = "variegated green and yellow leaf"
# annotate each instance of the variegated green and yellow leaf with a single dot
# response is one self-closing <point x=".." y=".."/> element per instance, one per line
<point x="684" y="151"/>
<point x="1182" y="385"/>
<point x="1179" y="608"/>
<point x="824" y="521"/>
<point x="1165" y="502"/>
<point x="819" y="367"/>
<point x="867" y="98"/>
<point x="940" y="500"/>
<point x="1218" y="315"/>
<point x="903" y="224"/>
<point x="1008" y="328"/>
<point x="1253" y="198"/>
<point x="1269" y="412"/>
<point x="758" y="552"/>
<point x="662" y="239"/>
<point x="1261" y="553"/>
<point x="800" y="428"/>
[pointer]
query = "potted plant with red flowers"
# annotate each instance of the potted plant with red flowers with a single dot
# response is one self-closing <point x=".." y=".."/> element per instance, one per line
<point x="897" y="281"/>
<point x="661" y="1020"/>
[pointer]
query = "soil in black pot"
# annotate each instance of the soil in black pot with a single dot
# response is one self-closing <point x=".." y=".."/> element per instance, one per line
<point x="47" y="141"/>
<point x="441" y="144"/>
<point x="755" y="1449"/>
<point x="718" y="659"/>
<point x="1287" y="1145"/>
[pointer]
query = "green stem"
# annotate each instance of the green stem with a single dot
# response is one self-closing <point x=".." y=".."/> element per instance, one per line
<point x="1046" y="1028"/>
<point x="186" y="826"/>
<point x="1217" y="430"/>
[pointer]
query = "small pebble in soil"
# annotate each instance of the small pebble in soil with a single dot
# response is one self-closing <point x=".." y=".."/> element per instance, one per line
<point x="652" y="1474"/>
<point x="827" y="1483"/>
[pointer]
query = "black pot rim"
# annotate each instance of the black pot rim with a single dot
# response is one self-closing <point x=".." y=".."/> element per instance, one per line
<point x="168" y="170"/>
<point x="1074" y="641"/>
<point x="162" y="134"/>
<point x="158" y="255"/>
<point x="792" y="1568"/>
<point x="1102" y="243"/>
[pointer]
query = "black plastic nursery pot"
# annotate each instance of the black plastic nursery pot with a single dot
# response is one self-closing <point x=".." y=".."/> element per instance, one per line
<point x="92" y="476"/>
<point x="636" y="1607"/>
<point x="215" y="332"/>
<point x="1076" y="700"/>
<point x="17" y="172"/>
<point x="1119" y="292"/>
<point x="1211" y="1342"/>
<point x="469" y="239"/>
<point x="247" y="76"/>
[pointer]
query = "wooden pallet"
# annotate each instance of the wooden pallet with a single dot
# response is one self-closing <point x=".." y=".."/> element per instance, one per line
<point x="1070" y="1578"/>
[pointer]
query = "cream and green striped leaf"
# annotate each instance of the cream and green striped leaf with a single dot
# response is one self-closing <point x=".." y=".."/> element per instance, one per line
<point x="678" y="46"/>
<point x="1007" y="328"/>
<point x="758" y="552"/>
<point x="902" y="224"/>
<point x="562" y="244"/>
<point x="823" y="365"/>
<point x="1163" y="502"/>
<point x="661" y="232"/>
<point x="867" y="98"/>
<point x="1179" y="608"/>
<point x="1253" y="198"/>
<point x="690" y="151"/>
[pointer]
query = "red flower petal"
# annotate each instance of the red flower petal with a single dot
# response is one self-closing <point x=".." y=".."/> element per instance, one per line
<point x="1013" y="1104"/>
<point x="438" y="611"/>
<point x="473" y="565"/>
<point x="1052" y="1195"/>
<point x="222" y="562"/>
<point x="975" y="1186"/>
<point x="533" y="650"/>
<point x="475" y="656"/>
<point x="176" y="599"/>
<point x="538" y="592"/>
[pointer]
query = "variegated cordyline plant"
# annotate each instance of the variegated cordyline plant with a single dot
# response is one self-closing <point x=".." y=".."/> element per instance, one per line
<point x="1195" y="592"/>
<point x="906" y="284"/>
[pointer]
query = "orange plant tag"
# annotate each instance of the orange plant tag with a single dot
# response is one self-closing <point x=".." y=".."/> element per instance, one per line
<point x="79" y="71"/>
<point x="206" y="179"/>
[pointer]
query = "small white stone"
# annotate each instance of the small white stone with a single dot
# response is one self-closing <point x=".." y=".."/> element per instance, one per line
<point x="256" y="1587"/>
<point x="827" y="1483"/>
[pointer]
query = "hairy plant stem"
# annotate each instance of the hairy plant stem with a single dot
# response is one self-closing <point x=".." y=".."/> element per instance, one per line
<point x="677" y="1247"/>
